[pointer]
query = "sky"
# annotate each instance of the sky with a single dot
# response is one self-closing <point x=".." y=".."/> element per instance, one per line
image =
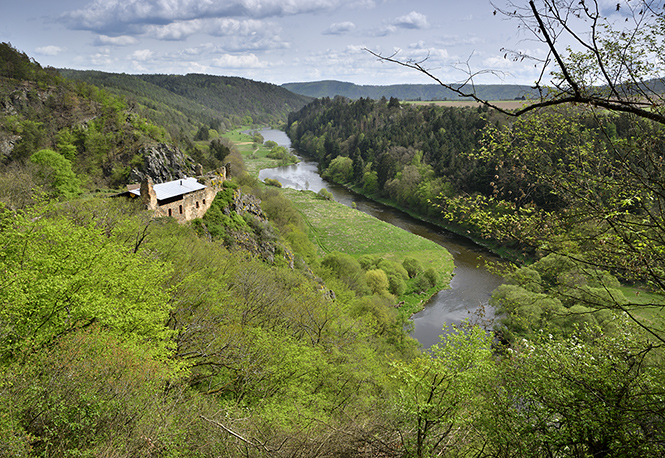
<point x="275" y="41"/>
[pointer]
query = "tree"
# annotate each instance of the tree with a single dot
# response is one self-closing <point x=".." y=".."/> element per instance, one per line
<point x="587" y="395"/>
<point x="597" y="55"/>
<point x="62" y="274"/>
<point x="608" y="186"/>
<point x="57" y="173"/>
<point x="220" y="148"/>
<point x="438" y="393"/>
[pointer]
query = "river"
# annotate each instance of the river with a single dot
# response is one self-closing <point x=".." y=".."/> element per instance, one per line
<point x="472" y="283"/>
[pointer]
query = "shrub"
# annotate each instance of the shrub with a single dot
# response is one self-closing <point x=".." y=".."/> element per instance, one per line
<point x="412" y="266"/>
<point x="325" y="194"/>
<point x="272" y="182"/>
<point x="377" y="281"/>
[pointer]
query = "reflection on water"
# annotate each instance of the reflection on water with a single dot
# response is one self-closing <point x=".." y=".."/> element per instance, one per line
<point x="471" y="285"/>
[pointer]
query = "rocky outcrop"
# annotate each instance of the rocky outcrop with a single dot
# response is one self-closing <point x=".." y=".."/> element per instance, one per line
<point x="244" y="204"/>
<point x="259" y="237"/>
<point x="162" y="163"/>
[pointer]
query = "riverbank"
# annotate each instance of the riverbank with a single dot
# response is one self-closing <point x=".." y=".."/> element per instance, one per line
<point x="336" y="227"/>
<point x="499" y="250"/>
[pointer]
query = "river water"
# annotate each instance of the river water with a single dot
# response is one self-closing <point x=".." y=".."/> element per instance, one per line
<point x="472" y="283"/>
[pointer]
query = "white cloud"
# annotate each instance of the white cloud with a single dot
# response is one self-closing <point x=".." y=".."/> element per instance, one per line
<point x="118" y="16"/>
<point x="385" y="31"/>
<point x="178" y="30"/>
<point x="456" y="40"/>
<point x="242" y="61"/>
<point x="413" y="20"/>
<point x="101" y="58"/>
<point x="49" y="50"/>
<point x="123" y="40"/>
<point x="142" y="55"/>
<point x="339" y="28"/>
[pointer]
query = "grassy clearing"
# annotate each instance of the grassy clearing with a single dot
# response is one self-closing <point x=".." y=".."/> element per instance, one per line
<point x="652" y="304"/>
<point x="255" y="158"/>
<point x="336" y="227"/>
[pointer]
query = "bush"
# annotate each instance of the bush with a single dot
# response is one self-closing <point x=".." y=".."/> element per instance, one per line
<point x="325" y="194"/>
<point x="272" y="182"/>
<point x="369" y="261"/>
<point x="57" y="173"/>
<point x="419" y="284"/>
<point x="432" y="276"/>
<point x="377" y="280"/>
<point x="347" y="269"/>
<point x="412" y="266"/>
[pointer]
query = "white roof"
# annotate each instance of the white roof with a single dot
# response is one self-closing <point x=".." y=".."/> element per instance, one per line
<point x="173" y="188"/>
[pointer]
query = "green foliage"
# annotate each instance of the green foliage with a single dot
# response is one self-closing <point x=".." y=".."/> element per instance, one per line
<point x="432" y="276"/>
<point x="377" y="281"/>
<point x="272" y="182"/>
<point x="61" y="276"/>
<point x="586" y="395"/>
<point x="219" y="222"/>
<point x="412" y="266"/>
<point x="66" y="140"/>
<point x="216" y="101"/>
<point x="437" y="394"/>
<point x="220" y="148"/>
<point x="371" y="145"/>
<point x="89" y="392"/>
<point x="325" y="194"/>
<point x="348" y="269"/>
<point x="283" y="155"/>
<point x="556" y="294"/>
<point x="340" y="170"/>
<point x="17" y="65"/>
<point x="56" y="172"/>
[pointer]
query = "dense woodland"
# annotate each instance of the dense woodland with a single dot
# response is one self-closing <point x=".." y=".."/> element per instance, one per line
<point x="217" y="101"/>
<point x="126" y="336"/>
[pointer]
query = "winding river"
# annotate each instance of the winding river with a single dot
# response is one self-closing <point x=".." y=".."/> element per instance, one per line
<point x="472" y="283"/>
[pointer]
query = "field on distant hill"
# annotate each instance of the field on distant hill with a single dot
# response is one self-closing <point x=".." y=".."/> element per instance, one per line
<point x="503" y="104"/>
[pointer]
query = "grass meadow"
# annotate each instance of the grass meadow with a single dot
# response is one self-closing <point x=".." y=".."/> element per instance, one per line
<point x="336" y="227"/>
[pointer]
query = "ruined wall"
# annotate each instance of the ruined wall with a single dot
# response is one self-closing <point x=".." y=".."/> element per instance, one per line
<point x="195" y="204"/>
<point x="188" y="207"/>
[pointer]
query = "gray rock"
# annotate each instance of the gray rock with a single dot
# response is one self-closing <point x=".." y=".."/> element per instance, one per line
<point x="163" y="163"/>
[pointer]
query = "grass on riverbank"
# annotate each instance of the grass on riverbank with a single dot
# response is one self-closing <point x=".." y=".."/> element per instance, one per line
<point x="336" y="227"/>
<point x="255" y="158"/>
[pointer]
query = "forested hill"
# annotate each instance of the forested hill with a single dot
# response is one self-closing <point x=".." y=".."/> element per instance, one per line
<point x="207" y="99"/>
<point x="424" y="92"/>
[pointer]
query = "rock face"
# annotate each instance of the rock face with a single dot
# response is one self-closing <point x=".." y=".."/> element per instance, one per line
<point x="164" y="163"/>
<point x="260" y="239"/>
<point x="244" y="204"/>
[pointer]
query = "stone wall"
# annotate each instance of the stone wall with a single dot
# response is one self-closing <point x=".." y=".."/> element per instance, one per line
<point x="188" y="207"/>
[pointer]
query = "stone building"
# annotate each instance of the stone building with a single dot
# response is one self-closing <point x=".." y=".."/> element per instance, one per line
<point x="184" y="199"/>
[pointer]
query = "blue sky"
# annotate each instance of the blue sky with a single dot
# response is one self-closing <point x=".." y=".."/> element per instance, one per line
<point x="276" y="41"/>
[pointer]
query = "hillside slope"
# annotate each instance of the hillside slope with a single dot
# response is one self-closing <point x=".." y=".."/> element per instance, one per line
<point x="218" y="101"/>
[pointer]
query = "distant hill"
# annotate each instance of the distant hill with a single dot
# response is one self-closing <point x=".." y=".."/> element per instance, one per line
<point x="105" y="128"/>
<point x="206" y="99"/>
<point x="319" y="89"/>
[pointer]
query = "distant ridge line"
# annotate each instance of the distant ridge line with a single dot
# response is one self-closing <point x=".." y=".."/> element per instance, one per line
<point x="422" y="92"/>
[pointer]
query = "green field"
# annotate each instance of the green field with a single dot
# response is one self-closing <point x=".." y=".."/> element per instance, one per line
<point x="336" y="227"/>
<point x="255" y="159"/>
